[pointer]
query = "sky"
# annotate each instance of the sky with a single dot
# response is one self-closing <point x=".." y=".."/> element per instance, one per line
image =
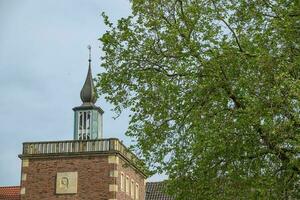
<point x="43" y="65"/>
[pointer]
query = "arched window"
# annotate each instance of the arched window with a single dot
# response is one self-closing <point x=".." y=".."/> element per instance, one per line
<point x="137" y="192"/>
<point x="132" y="187"/>
<point x="127" y="185"/>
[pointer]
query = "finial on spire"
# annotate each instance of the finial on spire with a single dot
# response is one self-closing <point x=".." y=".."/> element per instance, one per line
<point x="90" y="49"/>
<point x="87" y="94"/>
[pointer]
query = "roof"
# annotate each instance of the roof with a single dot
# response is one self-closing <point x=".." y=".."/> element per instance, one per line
<point x="154" y="191"/>
<point x="88" y="94"/>
<point x="10" y="193"/>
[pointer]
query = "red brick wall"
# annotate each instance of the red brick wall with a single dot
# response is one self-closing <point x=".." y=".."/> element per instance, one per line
<point x="133" y="174"/>
<point x="93" y="178"/>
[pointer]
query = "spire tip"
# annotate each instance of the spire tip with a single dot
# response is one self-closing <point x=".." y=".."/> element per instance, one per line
<point x="90" y="49"/>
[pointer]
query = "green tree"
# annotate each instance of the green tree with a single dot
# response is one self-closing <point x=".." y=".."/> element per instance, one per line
<point x="214" y="90"/>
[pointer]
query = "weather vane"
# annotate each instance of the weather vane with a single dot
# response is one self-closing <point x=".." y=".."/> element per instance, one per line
<point x="89" y="47"/>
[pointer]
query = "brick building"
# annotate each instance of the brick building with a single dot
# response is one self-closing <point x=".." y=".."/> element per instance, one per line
<point x="88" y="167"/>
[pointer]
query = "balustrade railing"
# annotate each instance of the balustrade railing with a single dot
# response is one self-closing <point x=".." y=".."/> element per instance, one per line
<point x="77" y="146"/>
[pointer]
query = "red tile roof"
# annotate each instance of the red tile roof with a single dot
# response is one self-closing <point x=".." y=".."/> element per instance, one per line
<point x="154" y="191"/>
<point x="10" y="193"/>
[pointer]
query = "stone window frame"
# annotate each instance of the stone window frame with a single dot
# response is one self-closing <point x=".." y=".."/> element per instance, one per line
<point x="137" y="191"/>
<point x="127" y="189"/>
<point x="122" y="184"/>
<point x="132" y="189"/>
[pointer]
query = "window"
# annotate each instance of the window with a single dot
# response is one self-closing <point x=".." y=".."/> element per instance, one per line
<point x="127" y="185"/>
<point x="84" y="125"/>
<point x="132" y="189"/>
<point x="122" y="181"/>
<point x="137" y="191"/>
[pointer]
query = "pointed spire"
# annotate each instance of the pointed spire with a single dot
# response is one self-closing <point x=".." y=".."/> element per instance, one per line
<point x="87" y="94"/>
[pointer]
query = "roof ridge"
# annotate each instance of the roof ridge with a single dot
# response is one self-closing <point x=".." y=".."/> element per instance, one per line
<point x="10" y="186"/>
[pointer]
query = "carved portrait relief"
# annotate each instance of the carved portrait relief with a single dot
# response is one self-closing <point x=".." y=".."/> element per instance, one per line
<point x="66" y="182"/>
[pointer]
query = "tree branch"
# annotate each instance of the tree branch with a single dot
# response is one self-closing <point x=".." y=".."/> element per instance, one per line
<point x="278" y="151"/>
<point x="229" y="27"/>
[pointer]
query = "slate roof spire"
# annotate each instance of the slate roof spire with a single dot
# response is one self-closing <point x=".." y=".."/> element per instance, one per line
<point x="88" y="94"/>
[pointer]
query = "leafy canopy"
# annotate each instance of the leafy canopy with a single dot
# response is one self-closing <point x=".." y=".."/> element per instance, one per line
<point x="214" y="88"/>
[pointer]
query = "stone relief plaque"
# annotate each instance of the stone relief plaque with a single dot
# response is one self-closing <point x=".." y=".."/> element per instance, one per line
<point x="66" y="183"/>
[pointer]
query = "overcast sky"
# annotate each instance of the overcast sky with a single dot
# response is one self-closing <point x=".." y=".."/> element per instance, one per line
<point x="43" y="64"/>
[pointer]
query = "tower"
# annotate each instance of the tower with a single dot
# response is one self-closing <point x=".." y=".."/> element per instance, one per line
<point x="88" y="167"/>
<point x="88" y="118"/>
